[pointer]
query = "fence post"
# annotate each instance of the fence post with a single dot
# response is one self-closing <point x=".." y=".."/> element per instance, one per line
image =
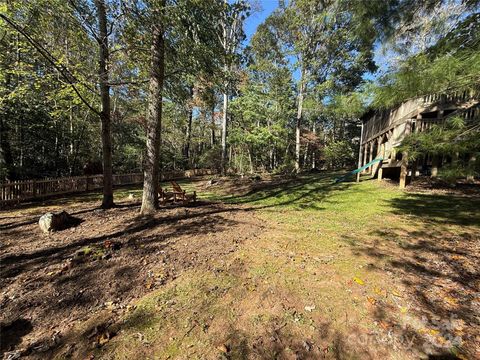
<point x="87" y="182"/>
<point x="34" y="190"/>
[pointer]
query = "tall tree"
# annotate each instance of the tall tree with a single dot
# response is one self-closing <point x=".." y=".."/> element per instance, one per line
<point x="180" y="40"/>
<point x="105" y="112"/>
<point x="321" y="43"/>
<point x="154" y="113"/>
<point x="264" y="106"/>
<point x="188" y="128"/>
<point x="231" y="36"/>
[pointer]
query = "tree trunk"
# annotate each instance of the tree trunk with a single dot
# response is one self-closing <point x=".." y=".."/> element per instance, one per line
<point x="105" y="112"/>
<point x="6" y="158"/>
<point x="224" y="132"/>
<point x="250" y="160"/>
<point x="71" y="145"/>
<point x="188" y="134"/>
<point x="299" y="122"/>
<point x="212" y="138"/>
<point x="153" y="122"/>
<point x="305" y="155"/>
<point x="270" y="159"/>
<point x="314" y="159"/>
<point x="70" y="114"/>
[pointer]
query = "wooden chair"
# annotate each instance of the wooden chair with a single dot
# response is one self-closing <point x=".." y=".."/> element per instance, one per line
<point x="181" y="195"/>
<point x="178" y="194"/>
<point x="165" y="196"/>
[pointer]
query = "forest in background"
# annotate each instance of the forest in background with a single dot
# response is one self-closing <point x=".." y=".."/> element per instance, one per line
<point x="163" y="84"/>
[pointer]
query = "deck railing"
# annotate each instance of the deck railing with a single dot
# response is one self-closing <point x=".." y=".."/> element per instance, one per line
<point x="385" y="120"/>
<point x="458" y="96"/>
<point x="18" y="191"/>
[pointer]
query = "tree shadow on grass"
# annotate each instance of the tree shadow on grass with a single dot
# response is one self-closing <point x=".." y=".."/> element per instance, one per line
<point x="435" y="254"/>
<point x="302" y="192"/>
<point x="439" y="209"/>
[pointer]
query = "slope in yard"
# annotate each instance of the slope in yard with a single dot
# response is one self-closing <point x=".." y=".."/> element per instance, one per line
<point x="278" y="268"/>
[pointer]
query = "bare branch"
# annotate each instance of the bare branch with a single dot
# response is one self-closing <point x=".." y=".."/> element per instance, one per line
<point x="132" y="82"/>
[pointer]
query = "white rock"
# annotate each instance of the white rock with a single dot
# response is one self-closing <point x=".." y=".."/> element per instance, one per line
<point x="54" y="221"/>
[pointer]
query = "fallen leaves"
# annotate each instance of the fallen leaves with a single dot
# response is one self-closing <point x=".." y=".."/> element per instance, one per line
<point x="103" y="338"/>
<point x="112" y="245"/>
<point x="395" y="293"/>
<point x="158" y="277"/>
<point x="385" y="325"/>
<point x="101" y="335"/>
<point x="223" y="348"/>
<point x="380" y="291"/>
<point x="110" y="305"/>
<point x="358" y="281"/>
<point x="450" y="300"/>
<point x="371" y="300"/>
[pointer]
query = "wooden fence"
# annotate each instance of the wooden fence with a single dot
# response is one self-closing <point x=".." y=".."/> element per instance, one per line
<point x="18" y="191"/>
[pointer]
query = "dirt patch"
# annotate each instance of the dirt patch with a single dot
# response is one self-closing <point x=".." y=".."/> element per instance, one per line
<point x="246" y="185"/>
<point x="52" y="282"/>
<point x="436" y="186"/>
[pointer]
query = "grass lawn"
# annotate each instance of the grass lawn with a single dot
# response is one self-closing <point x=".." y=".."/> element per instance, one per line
<point x="316" y="270"/>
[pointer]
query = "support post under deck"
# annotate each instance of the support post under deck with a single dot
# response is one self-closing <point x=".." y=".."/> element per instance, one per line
<point x="380" y="170"/>
<point x="403" y="171"/>
<point x="370" y="169"/>
<point x="404" y="165"/>
<point x="360" y="153"/>
<point x="365" y="150"/>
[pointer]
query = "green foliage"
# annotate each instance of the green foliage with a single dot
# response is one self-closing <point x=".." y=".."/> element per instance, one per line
<point x="210" y="159"/>
<point x="264" y="107"/>
<point x="347" y="106"/>
<point x="339" y="153"/>
<point x="47" y="130"/>
<point x="326" y="43"/>
<point x="286" y="168"/>
<point x="459" y="169"/>
<point x="453" y="139"/>
<point x="451" y="65"/>
<point x="451" y="73"/>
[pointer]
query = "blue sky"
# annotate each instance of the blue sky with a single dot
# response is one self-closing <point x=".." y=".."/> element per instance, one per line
<point x="266" y="8"/>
